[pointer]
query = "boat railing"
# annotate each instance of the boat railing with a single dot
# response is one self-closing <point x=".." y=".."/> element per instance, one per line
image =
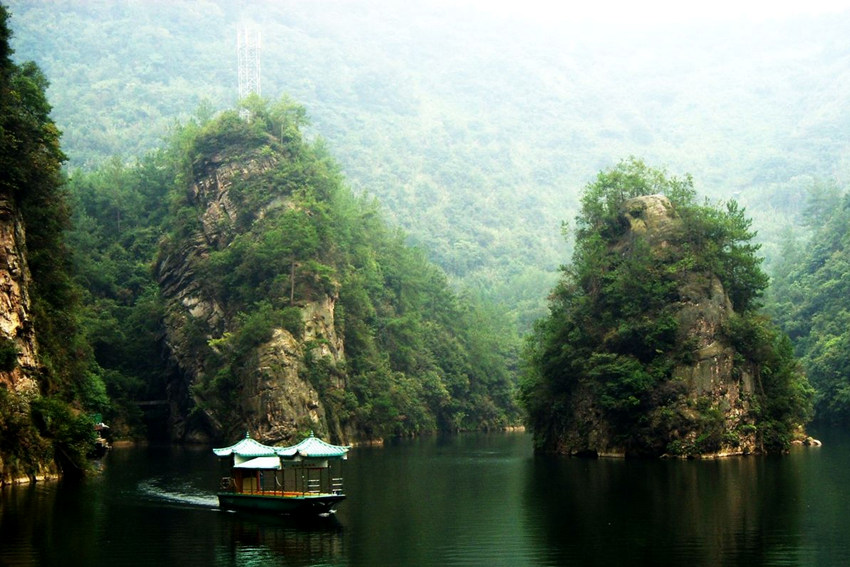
<point x="314" y="486"/>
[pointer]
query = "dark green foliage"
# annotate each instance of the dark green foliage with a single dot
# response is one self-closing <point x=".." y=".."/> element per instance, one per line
<point x="443" y="363"/>
<point x="22" y="448"/>
<point x="612" y="337"/>
<point x="71" y="433"/>
<point x="269" y="261"/>
<point x="8" y="355"/>
<point x="784" y="399"/>
<point x="810" y="299"/>
<point x="118" y="216"/>
<point x="721" y="243"/>
<point x="32" y="183"/>
<point x="602" y="200"/>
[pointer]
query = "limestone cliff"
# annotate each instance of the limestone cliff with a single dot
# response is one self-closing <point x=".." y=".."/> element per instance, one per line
<point x="17" y="335"/>
<point x="711" y="379"/>
<point x="272" y="397"/>
<point x="15" y="323"/>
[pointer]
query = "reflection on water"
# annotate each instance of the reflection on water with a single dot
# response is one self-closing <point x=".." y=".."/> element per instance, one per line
<point x="742" y="511"/>
<point x="462" y="500"/>
<point x="255" y="538"/>
<point x="438" y="501"/>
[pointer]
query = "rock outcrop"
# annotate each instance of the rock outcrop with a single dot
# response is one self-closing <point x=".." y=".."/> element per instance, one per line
<point x="274" y="400"/>
<point x="15" y="323"/>
<point x="705" y="408"/>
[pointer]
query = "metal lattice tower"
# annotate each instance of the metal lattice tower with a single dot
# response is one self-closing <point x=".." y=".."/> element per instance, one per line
<point x="248" y="56"/>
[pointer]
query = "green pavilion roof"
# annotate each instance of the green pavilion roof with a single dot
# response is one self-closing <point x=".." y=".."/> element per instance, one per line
<point x="247" y="448"/>
<point x="313" y="447"/>
<point x="310" y="448"/>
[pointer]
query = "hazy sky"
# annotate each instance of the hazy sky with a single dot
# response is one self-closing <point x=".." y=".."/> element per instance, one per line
<point x="632" y="12"/>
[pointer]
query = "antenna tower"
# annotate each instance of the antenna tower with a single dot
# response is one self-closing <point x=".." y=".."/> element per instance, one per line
<point x="248" y="57"/>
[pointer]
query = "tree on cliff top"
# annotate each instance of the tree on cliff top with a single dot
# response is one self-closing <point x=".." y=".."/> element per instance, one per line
<point x="613" y="337"/>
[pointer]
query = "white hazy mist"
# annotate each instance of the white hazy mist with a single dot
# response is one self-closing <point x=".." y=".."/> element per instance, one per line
<point x="620" y="13"/>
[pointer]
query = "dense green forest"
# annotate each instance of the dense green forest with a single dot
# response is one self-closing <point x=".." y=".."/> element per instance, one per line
<point x="475" y="128"/>
<point x="50" y="423"/>
<point x="810" y="298"/>
<point x="118" y="214"/>
<point x="618" y="332"/>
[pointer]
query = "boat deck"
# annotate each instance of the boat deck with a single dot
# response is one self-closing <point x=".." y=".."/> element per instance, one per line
<point x="284" y="494"/>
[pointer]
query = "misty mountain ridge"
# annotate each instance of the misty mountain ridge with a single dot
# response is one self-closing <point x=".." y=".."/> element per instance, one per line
<point x="475" y="130"/>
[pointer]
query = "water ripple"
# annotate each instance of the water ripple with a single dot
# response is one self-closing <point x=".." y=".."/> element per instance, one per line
<point x="184" y="494"/>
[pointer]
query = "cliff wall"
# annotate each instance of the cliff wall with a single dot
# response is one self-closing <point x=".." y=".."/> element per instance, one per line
<point x="17" y="336"/>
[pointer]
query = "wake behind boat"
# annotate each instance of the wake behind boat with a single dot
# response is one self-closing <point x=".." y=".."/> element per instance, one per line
<point x="300" y="479"/>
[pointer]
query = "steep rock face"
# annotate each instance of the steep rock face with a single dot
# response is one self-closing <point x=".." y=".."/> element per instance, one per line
<point x="15" y="323"/>
<point x="16" y="328"/>
<point x="275" y="401"/>
<point x="712" y="380"/>
<point x="709" y="395"/>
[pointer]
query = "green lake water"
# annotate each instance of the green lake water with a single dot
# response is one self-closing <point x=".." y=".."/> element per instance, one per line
<point x="476" y="499"/>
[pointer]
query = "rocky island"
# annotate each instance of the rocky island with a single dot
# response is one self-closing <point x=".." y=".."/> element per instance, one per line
<point x="655" y="345"/>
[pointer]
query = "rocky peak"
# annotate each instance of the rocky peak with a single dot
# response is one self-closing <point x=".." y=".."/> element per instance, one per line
<point x="652" y="216"/>
<point x="275" y="400"/>
<point x="705" y="379"/>
<point x="210" y="192"/>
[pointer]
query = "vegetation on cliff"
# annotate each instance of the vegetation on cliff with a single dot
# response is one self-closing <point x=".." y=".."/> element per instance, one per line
<point x="809" y="299"/>
<point x="43" y="424"/>
<point x="610" y="356"/>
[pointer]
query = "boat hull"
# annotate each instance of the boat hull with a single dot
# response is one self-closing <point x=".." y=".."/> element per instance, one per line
<point x="306" y="504"/>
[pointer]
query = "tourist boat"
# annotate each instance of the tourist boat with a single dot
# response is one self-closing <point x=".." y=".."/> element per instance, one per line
<point x="300" y="479"/>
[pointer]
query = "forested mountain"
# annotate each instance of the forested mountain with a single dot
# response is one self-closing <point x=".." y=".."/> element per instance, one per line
<point x="811" y="299"/>
<point x="282" y="301"/>
<point x="475" y="128"/>
<point x="654" y="344"/>
<point x="48" y="378"/>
